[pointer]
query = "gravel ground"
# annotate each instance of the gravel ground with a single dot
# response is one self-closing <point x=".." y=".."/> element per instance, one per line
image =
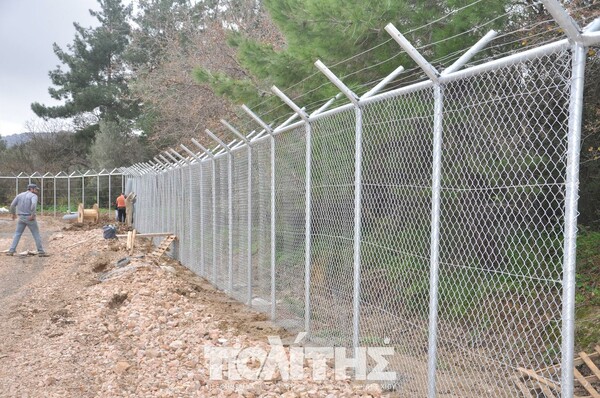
<point x="140" y="332"/>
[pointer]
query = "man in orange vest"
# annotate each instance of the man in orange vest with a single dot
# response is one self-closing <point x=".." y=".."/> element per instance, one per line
<point x="121" y="207"/>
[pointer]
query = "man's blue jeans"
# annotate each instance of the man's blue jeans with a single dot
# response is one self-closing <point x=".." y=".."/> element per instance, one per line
<point x="23" y="221"/>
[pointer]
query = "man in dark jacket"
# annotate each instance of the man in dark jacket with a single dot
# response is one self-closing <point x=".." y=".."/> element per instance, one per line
<point x="23" y="206"/>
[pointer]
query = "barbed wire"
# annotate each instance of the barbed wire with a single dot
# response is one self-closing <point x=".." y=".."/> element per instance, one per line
<point x="409" y="74"/>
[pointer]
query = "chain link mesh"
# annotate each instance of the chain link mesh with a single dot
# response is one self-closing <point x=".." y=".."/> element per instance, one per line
<point x="240" y="224"/>
<point x="332" y="228"/>
<point x="261" y="221"/>
<point x="504" y="165"/>
<point x="290" y="235"/>
<point x="397" y="171"/>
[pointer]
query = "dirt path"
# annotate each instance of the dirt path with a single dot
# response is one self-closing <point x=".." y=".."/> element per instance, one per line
<point x="16" y="272"/>
<point x="140" y="332"/>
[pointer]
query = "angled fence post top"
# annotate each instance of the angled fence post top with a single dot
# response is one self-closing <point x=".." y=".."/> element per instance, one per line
<point x="412" y="52"/>
<point x="560" y="15"/>
<point x="258" y="120"/>
<point x="290" y="103"/>
<point x="206" y="151"/>
<point x="337" y="82"/>
<point x="189" y="152"/>
<point x="223" y="145"/>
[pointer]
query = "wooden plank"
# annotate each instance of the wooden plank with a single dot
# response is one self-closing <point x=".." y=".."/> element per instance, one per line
<point x="133" y="233"/>
<point x="576" y="362"/>
<point x="546" y="390"/>
<point x="588" y="387"/>
<point x="590" y="364"/>
<point x="541" y="380"/>
<point x="590" y="379"/>
<point x="146" y="235"/>
<point x="523" y="388"/>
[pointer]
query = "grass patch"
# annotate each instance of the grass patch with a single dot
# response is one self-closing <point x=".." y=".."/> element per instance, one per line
<point x="587" y="296"/>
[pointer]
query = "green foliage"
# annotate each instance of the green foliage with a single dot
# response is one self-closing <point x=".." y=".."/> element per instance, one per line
<point x="95" y="78"/>
<point x="587" y="299"/>
<point x="335" y="30"/>
<point x="115" y="146"/>
<point x="156" y="20"/>
<point x="589" y="199"/>
<point x="47" y="152"/>
<point x="588" y="267"/>
<point x="225" y="85"/>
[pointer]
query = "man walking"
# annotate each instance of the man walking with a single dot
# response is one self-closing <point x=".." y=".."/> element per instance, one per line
<point x="24" y="206"/>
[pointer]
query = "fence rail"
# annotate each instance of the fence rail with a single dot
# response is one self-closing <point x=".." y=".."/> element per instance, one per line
<point x="438" y="218"/>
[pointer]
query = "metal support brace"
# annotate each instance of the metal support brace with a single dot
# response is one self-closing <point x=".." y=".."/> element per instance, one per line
<point x="568" y="24"/>
<point x="235" y="131"/>
<point x="202" y="148"/>
<point x="290" y="103"/>
<point x="160" y="164"/>
<point x="337" y="82"/>
<point x="217" y="139"/>
<point x="177" y="162"/>
<point x="257" y="119"/>
<point x="593" y="26"/>
<point x="155" y="166"/>
<point x="326" y="105"/>
<point x="386" y="80"/>
<point x="171" y="165"/>
<point x="489" y="36"/>
<point x="189" y="152"/>
<point x="146" y="167"/>
<point x="174" y="152"/>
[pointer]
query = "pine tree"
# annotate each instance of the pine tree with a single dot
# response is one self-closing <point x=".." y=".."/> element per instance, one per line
<point x="335" y="30"/>
<point x="93" y="85"/>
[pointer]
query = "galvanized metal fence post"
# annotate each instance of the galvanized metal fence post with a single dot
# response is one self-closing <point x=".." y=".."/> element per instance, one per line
<point x="357" y="201"/>
<point x="307" y="201"/>
<point x="570" y="230"/>
<point x="210" y="155"/>
<point x="571" y="191"/>
<point x="434" y="261"/>
<point x="245" y="140"/>
<point x="268" y="129"/>
<point x="54" y="184"/>
<point x="229" y="206"/>
<point x="198" y="160"/>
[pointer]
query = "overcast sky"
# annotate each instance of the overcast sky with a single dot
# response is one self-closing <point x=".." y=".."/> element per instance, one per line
<point x="27" y="30"/>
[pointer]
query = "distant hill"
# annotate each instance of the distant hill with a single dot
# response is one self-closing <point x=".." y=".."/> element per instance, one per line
<point x="16" y="139"/>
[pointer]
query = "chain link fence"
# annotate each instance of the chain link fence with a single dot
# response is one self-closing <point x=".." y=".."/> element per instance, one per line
<point x="437" y="219"/>
<point x="62" y="192"/>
